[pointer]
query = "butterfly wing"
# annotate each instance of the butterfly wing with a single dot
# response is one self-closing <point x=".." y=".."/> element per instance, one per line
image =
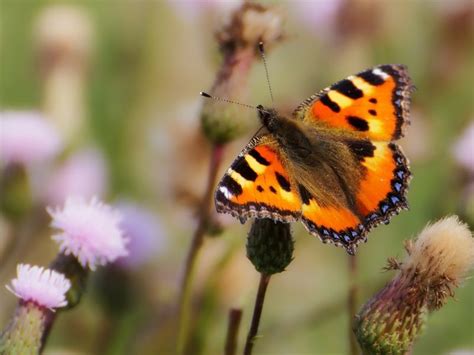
<point x="258" y="184"/>
<point x="375" y="193"/>
<point x="374" y="103"/>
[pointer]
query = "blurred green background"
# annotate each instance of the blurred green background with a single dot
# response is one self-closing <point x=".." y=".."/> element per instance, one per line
<point x="126" y="76"/>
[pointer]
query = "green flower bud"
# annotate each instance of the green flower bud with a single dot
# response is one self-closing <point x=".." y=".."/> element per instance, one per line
<point x="270" y="246"/>
<point x="77" y="275"/>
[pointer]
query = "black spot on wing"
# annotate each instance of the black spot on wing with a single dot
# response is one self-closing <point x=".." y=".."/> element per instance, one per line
<point x="231" y="185"/>
<point x="361" y="148"/>
<point x="305" y="195"/>
<point x="244" y="169"/>
<point x="358" y="123"/>
<point x="258" y="157"/>
<point x="284" y="183"/>
<point x="373" y="112"/>
<point x="260" y="188"/>
<point x="373" y="100"/>
<point x="329" y="103"/>
<point x="347" y="88"/>
<point x="371" y="78"/>
<point x="272" y="189"/>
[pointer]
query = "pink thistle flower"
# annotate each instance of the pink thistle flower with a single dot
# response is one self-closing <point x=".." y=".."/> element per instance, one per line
<point x="27" y="138"/>
<point x="82" y="174"/>
<point x="464" y="149"/>
<point x="89" y="231"/>
<point x="45" y="287"/>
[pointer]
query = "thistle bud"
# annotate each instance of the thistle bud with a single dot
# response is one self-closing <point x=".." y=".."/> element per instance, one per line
<point x="270" y="246"/>
<point x="238" y="41"/>
<point x="437" y="262"/>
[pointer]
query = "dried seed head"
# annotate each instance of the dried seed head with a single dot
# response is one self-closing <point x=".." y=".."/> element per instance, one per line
<point x="238" y="40"/>
<point x="249" y="25"/>
<point x="438" y="260"/>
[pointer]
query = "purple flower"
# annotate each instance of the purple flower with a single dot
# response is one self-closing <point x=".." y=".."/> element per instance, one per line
<point x="45" y="287"/>
<point x="27" y="138"/>
<point x="83" y="174"/>
<point x="464" y="148"/>
<point x="145" y="234"/>
<point x="89" y="231"/>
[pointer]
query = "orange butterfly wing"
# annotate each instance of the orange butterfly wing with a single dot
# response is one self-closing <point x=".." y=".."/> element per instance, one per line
<point x="258" y="185"/>
<point x="374" y="103"/>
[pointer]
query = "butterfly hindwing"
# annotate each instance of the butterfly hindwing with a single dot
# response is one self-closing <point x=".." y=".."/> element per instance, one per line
<point x="258" y="184"/>
<point x="380" y="193"/>
<point x="374" y="103"/>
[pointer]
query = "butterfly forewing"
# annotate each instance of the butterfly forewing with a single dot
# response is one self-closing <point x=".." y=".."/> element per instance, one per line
<point x="374" y="103"/>
<point x="258" y="184"/>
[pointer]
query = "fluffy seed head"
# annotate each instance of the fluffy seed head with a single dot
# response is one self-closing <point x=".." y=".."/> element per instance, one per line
<point x="45" y="287"/>
<point x="438" y="260"/>
<point x="89" y="231"/>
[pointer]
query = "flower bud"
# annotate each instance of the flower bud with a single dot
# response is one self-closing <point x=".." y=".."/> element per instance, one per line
<point x="270" y="246"/>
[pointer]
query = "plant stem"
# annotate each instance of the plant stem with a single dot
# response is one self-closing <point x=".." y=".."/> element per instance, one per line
<point x="352" y="302"/>
<point x="257" y="312"/>
<point x="197" y="241"/>
<point x="235" y="315"/>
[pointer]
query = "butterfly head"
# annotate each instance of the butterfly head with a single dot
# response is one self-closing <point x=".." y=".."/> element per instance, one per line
<point x="267" y="116"/>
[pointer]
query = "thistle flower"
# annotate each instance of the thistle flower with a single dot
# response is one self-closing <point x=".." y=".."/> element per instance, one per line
<point x="41" y="291"/>
<point x="437" y="262"/>
<point x="89" y="231"/>
<point x="270" y="246"/>
<point x="464" y="149"/>
<point x="82" y="174"/>
<point x="47" y="288"/>
<point x="26" y="138"/>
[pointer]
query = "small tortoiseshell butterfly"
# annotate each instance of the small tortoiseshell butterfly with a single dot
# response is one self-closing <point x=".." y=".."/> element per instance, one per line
<point x="333" y="165"/>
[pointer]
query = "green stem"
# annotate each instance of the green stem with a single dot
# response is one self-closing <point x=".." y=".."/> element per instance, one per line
<point x="235" y="315"/>
<point x="197" y="241"/>
<point x="257" y="313"/>
<point x="352" y="302"/>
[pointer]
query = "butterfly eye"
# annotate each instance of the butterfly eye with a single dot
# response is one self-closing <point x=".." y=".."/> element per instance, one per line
<point x="259" y="107"/>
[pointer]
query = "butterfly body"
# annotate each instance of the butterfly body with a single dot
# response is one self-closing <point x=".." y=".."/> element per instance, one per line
<point x="333" y="164"/>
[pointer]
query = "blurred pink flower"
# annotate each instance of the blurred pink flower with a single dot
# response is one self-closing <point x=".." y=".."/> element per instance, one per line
<point x="90" y="231"/>
<point x="84" y="174"/>
<point x="145" y="233"/>
<point x="464" y="148"/>
<point x="190" y="9"/>
<point x="45" y="287"/>
<point x="27" y="138"/>
<point x="318" y="16"/>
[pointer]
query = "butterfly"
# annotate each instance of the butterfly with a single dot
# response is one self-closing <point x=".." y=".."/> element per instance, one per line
<point x="333" y="165"/>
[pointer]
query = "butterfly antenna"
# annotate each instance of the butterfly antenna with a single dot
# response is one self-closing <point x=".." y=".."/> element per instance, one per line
<point x="205" y="94"/>
<point x="262" y="54"/>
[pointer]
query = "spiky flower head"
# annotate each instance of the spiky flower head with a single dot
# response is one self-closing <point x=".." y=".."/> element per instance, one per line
<point x="46" y="288"/>
<point x="89" y="231"/>
<point x="270" y="246"/>
<point x="437" y="262"/>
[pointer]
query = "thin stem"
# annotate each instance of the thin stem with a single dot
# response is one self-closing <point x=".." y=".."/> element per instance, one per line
<point x="352" y="302"/>
<point x="257" y="312"/>
<point x="196" y="243"/>
<point x="235" y="315"/>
